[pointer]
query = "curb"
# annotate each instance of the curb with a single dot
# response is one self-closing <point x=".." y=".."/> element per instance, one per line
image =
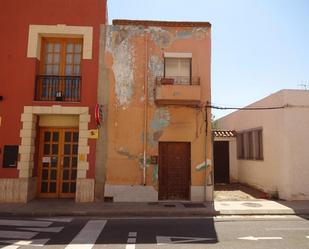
<point x="157" y="213"/>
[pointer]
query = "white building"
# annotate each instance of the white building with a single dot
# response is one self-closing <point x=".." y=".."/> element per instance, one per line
<point x="272" y="149"/>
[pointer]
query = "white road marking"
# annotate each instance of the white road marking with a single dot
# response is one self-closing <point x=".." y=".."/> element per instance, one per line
<point x="132" y="246"/>
<point x="24" y="223"/>
<point x="17" y="235"/>
<point x="56" y="219"/>
<point x="132" y="234"/>
<point x="87" y="237"/>
<point x="131" y="240"/>
<point x="42" y="229"/>
<point x="259" y="238"/>
<point x="164" y="240"/>
<point x="11" y="247"/>
<point x="17" y="242"/>
<point x="37" y="242"/>
<point x="287" y="228"/>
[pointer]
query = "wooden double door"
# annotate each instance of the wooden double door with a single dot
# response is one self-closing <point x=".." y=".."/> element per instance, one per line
<point x="57" y="162"/>
<point x="174" y="171"/>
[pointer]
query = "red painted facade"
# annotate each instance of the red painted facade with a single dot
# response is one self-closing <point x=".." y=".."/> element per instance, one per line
<point x="17" y="72"/>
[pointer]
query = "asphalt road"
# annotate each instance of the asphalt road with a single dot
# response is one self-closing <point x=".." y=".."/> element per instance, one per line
<point x="282" y="232"/>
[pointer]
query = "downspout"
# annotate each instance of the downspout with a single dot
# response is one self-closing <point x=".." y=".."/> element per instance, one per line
<point x="209" y="181"/>
<point x="206" y="131"/>
<point x="145" y="110"/>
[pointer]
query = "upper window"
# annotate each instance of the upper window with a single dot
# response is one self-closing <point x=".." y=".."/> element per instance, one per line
<point x="250" y="145"/>
<point x="179" y="69"/>
<point x="61" y="57"/>
<point x="60" y="70"/>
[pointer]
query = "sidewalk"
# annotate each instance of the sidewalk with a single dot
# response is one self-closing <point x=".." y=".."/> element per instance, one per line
<point x="154" y="209"/>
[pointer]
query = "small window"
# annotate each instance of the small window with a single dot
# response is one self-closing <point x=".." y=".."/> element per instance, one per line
<point x="250" y="145"/>
<point x="240" y="146"/>
<point x="10" y="156"/>
<point x="178" y="69"/>
<point x="258" y="145"/>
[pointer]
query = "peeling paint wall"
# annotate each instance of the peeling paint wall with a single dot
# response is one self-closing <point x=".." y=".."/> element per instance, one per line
<point x="155" y="69"/>
<point x="118" y="43"/>
<point x="134" y="57"/>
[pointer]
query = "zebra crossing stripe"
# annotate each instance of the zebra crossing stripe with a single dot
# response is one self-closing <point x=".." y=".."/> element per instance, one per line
<point x="18" y="243"/>
<point x="87" y="237"/>
<point x="11" y="247"/>
<point x="131" y="240"/>
<point x="42" y="229"/>
<point x="17" y="235"/>
<point x="24" y="223"/>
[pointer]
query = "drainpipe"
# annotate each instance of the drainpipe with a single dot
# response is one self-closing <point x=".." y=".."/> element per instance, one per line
<point x="145" y="110"/>
<point x="209" y="181"/>
<point x="205" y="149"/>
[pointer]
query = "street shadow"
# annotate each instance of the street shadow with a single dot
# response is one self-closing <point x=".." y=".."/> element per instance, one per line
<point x="161" y="231"/>
<point x="298" y="207"/>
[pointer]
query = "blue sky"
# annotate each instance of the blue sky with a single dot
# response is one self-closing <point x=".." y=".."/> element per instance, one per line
<point x="258" y="46"/>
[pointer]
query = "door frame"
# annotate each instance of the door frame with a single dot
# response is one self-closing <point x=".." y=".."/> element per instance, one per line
<point x="61" y="143"/>
<point x="188" y="168"/>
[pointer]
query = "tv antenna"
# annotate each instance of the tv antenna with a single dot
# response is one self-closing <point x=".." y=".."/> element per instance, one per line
<point x="304" y="85"/>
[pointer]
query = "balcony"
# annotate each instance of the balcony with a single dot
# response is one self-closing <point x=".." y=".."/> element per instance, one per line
<point x="178" y="91"/>
<point x="58" y="88"/>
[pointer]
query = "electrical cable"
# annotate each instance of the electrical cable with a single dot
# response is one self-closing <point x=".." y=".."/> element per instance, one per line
<point x="247" y="108"/>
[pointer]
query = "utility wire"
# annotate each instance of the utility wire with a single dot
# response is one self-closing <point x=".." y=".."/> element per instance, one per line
<point x="247" y="108"/>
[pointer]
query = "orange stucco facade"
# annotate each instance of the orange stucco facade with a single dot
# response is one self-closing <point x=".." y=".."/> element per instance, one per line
<point x="141" y="114"/>
<point x="152" y="141"/>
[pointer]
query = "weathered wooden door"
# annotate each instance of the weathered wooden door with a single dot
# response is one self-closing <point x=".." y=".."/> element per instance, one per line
<point x="174" y="171"/>
<point x="57" y="162"/>
<point x="222" y="162"/>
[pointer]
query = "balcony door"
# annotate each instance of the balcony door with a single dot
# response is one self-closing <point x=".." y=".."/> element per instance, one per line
<point x="58" y="162"/>
<point x="178" y="69"/>
<point x="60" y="70"/>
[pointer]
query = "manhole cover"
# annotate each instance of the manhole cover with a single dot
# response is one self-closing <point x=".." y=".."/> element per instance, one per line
<point x="251" y="204"/>
<point x="193" y="205"/>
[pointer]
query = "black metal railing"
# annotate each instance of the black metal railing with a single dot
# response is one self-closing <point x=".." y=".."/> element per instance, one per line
<point x="58" y="88"/>
<point x="177" y="80"/>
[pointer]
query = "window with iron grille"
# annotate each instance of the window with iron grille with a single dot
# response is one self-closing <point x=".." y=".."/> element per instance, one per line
<point x="59" y="77"/>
